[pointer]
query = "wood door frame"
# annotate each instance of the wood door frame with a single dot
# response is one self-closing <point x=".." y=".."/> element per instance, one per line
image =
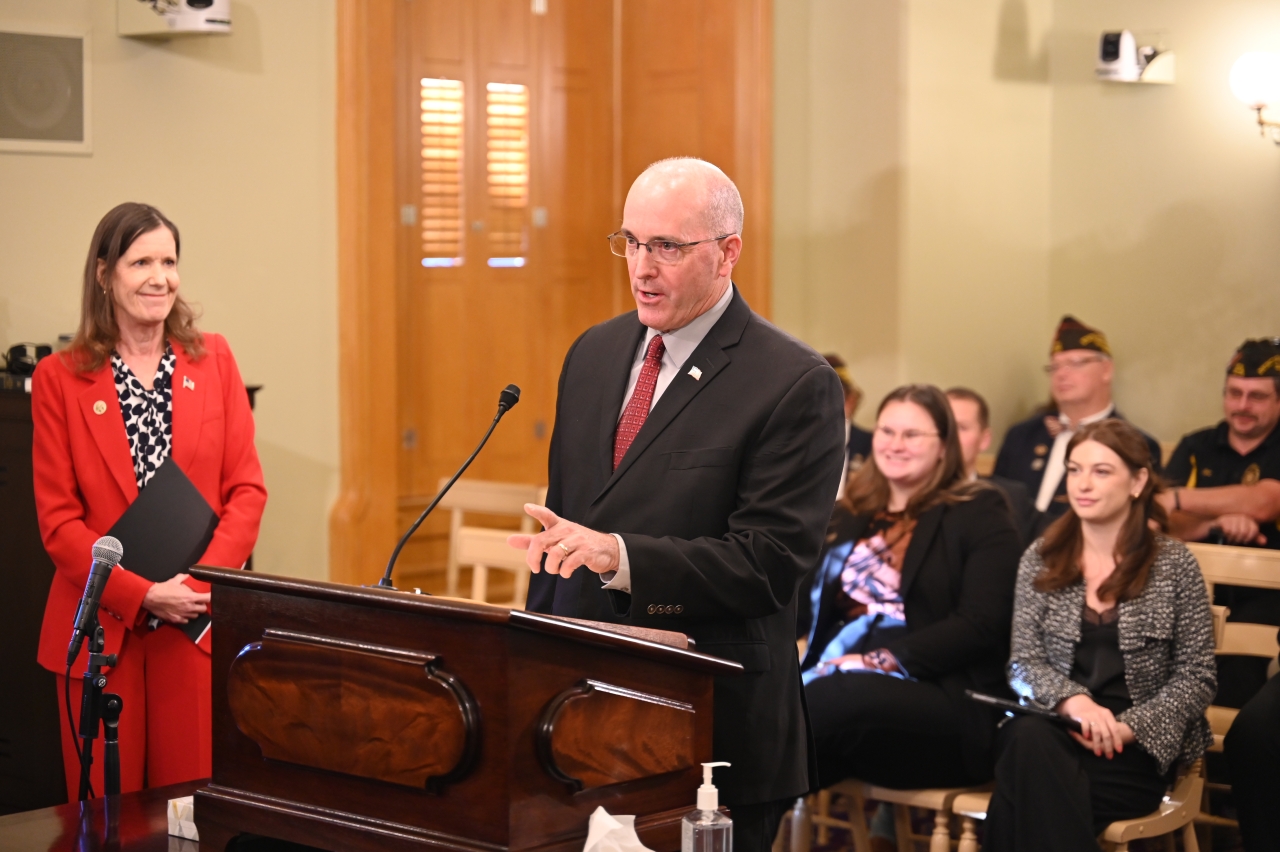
<point x="362" y="522"/>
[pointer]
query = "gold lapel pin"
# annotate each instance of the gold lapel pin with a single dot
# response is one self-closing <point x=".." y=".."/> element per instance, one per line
<point x="188" y="384"/>
<point x="99" y="407"/>
<point x="696" y="373"/>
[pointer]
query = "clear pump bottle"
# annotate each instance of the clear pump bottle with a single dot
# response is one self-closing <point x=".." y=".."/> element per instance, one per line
<point x="707" y="829"/>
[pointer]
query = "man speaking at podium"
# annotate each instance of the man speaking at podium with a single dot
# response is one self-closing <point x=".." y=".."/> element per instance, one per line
<point x="693" y="468"/>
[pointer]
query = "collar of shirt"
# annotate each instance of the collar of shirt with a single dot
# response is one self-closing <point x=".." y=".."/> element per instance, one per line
<point x="678" y="347"/>
<point x="679" y="344"/>
<point x="1092" y="418"/>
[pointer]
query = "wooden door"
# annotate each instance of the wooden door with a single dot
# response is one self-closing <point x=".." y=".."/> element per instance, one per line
<point x="695" y="82"/>
<point x="509" y="197"/>
<point x="519" y="127"/>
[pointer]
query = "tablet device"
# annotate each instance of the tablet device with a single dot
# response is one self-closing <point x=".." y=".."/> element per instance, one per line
<point x="1014" y="707"/>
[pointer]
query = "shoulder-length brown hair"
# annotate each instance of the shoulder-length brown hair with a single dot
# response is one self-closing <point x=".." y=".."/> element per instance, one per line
<point x="868" y="491"/>
<point x="98" y="333"/>
<point x="1137" y="544"/>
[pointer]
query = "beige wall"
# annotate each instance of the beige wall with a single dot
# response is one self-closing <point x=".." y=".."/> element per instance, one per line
<point x="233" y="138"/>
<point x="1010" y="187"/>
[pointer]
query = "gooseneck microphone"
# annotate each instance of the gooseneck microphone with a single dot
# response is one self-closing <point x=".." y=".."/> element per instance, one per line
<point x="506" y="401"/>
<point x="106" y="555"/>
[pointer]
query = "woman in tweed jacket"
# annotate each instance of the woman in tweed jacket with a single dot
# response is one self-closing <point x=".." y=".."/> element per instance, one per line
<point x="1111" y="626"/>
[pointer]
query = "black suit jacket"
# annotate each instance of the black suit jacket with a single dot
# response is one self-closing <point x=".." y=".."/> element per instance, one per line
<point x="958" y="579"/>
<point x="1023" y="457"/>
<point x="722" y="501"/>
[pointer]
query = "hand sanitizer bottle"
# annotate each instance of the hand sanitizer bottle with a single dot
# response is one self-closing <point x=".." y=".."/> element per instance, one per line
<point x="707" y="829"/>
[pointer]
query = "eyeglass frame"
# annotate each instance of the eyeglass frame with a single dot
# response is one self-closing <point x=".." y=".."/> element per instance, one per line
<point x="910" y="437"/>
<point x="1074" y="364"/>
<point x="674" y="244"/>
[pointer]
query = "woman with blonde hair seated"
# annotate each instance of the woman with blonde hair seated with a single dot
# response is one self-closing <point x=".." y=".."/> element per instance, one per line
<point x="1112" y="627"/>
<point x="912" y="600"/>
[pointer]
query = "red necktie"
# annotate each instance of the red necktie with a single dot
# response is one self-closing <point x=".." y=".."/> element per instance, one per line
<point x="637" y="409"/>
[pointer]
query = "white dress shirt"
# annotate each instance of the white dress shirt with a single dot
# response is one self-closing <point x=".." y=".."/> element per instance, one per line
<point x="678" y="346"/>
<point x="1056" y="467"/>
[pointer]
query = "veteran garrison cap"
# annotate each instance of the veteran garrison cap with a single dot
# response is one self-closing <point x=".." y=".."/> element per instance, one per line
<point x="1073" y="334"/>
<point x="1256" y="359"/>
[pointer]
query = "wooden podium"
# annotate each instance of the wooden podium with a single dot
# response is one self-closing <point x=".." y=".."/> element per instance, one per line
<point x="352" y="718"/>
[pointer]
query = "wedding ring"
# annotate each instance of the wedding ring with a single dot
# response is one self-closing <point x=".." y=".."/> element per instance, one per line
<point x="565" y="549"/>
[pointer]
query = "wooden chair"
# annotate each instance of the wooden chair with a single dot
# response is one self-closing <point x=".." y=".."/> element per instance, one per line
<point x="490" y="498"/>
<point x="985" y="464"/>
<point x="484" y="548"/>
<point x="803" y="820"/>
<point x="1234" y="566"/>
<point x="1176" y="813"/>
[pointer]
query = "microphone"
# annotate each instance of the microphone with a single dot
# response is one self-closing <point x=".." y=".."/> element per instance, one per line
<point x="106" y="555"/>
<point x="506" y="401"/>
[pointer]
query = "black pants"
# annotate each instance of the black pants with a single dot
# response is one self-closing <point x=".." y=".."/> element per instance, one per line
<point x="884" y="730"/>
<point x="1053" y="794"/>
<point x="1253" y="756"/>
<point x="755" y="826"/>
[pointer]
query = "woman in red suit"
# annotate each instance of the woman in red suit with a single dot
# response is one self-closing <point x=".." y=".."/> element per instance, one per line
<point x="139" y="384"/>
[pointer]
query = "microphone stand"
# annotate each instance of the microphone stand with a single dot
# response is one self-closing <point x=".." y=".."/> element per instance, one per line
<point x="97" y="707"/>
<point x="506" y="401"/>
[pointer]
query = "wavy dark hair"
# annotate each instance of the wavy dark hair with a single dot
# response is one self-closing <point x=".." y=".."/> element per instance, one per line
<point x="868" y="491"/>
<point x="1137" y="545"/>
<point x="99" y="333"/>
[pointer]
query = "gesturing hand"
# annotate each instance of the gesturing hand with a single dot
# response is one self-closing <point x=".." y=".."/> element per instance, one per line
<point x="1102" y="733"/>
<point x="174" y="602"/>
<point x="567" y="545"/>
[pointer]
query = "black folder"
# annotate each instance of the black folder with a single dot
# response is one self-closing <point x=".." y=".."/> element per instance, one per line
<point x="166" y="531"/>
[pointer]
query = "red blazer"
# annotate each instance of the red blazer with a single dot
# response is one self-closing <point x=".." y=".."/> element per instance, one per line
<point x="84" y="480"/>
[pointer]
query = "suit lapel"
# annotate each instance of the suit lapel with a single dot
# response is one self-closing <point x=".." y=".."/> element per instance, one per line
<point x="617" y="369"/>
<point x="190" y="390"/>
<point x="710" y="357"/>
<point x="100" y="407"/>
<point x="921" y="539"/>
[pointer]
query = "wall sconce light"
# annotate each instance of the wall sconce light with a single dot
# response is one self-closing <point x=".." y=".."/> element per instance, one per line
<point x="1255" y="80"/>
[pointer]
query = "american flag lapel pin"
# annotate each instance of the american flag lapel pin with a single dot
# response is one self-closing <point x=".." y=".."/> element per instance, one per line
<point x="696" y="373"/>
<point x="188" y="384"/>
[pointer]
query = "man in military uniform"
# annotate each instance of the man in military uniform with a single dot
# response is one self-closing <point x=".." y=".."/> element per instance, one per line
<point x="1226" y="488"/>
<point x="1034" y="451"/>
<point x="1226" y="479"/>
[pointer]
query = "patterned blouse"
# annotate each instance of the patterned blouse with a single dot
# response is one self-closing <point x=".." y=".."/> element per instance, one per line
<point x="148" y="414"/>
<point x="872" y="575"/>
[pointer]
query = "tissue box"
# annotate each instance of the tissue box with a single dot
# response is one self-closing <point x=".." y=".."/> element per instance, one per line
<point x="182" y="818"/>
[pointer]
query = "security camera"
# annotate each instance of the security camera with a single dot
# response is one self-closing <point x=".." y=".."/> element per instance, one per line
<point x="1120" y="58"/>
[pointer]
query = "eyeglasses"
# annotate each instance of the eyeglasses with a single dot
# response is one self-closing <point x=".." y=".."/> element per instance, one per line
<point x="1071" y="364"/>
<point x="910" y="437"/>
<point x="666" y="252"/>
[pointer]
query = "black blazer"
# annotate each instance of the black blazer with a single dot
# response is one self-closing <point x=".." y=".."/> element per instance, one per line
<point x="722" y="501"/>
<point x="958" y="579"/>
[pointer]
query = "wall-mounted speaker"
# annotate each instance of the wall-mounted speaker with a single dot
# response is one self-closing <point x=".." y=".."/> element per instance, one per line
<point x="44" y="93"/>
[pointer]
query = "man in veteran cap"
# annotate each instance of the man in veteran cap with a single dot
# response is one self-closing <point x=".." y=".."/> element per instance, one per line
<point x="1034" y="451"/>
<point x="1226" y="488"/>
<point x="1226" y="479"/>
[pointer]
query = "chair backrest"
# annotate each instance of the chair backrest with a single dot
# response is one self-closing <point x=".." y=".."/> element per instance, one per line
<point x="985" y="464"/>
<point x="491" y="498"/>
<point x="1226" y="564"/>
<point x="488" y="547"/>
